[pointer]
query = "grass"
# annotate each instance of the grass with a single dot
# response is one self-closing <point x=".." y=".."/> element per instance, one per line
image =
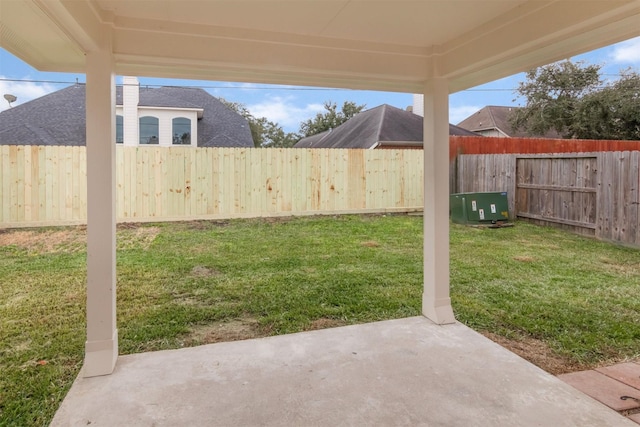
<point x="576" y="295"/>
<point x="563" y="301"/>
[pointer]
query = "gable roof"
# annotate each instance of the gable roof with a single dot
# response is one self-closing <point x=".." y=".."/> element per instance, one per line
<point x="368" y="128"/>
<point x="313" y="140"/>
<point x="497" y="117"/>
<point x="59" y="118"/>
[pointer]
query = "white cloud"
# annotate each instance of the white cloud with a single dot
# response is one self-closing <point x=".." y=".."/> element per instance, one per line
<point x="24" y="91"/>
<point x="458" y="114"/>
<point x="627" y="52"/>
<point x="284" y="111"/>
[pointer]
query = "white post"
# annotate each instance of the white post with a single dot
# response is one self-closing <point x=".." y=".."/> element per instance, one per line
<point x="101" y="348"/>
<point x="436" y="303"/>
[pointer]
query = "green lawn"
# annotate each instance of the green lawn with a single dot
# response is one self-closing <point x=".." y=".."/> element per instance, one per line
<point x="563" y="301"/>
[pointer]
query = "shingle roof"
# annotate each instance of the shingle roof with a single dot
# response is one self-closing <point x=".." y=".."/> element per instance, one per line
<point x="311" y="141"/>
<point x="497" y="117"/>
<point x="366" y="129"/>
<point x="54" y="119"/>
<point x="171" y="97"/>
<point x="59" y="117"/>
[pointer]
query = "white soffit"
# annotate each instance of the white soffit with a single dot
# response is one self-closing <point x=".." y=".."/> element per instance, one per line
<point x="382" y="45"/>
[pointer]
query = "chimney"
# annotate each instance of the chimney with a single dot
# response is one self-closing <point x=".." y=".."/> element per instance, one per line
<point x="130" y="99"/>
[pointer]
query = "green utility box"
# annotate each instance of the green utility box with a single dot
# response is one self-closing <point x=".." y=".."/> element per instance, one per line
<point x="479" y="208"/>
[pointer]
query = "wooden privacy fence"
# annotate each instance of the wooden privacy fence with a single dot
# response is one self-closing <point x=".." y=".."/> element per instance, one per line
<point x="47" y="185"/>
<point x="557" y="189"/>
<point x="591" y="193"/>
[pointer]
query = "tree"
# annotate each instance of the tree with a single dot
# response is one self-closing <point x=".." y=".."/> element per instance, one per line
<point x="264" y="132"/>
<point x="552" y="93"/>
<point x="331" y="118"/>
<point x="269" y="134"/>
<point x="276" y="137"/>
<point x="572" y="99"/>
<point x="612" y="112"/>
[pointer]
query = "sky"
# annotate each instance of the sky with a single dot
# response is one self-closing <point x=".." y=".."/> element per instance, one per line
<point x="290" y="105"/>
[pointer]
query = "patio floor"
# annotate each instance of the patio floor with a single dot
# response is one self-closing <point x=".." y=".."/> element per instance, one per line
<point x="400" y="372"/>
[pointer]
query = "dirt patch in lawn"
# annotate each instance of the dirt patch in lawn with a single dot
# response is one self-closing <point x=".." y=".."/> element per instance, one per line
<point x="243" y="329"/>
<point x="324" y="323"/>
<point x="524" y="258"/>
<point x="370" y="244"/>
<point x="232" y="330"/>
<point x="202" y="271"/>
<point x="48" y="241"/>
<point x="536" y="352"/>
<point x="74" y="239"/>
<point x="205" y="224"/>
<point x="136" y="238"/>
<point x="614" y="266"/>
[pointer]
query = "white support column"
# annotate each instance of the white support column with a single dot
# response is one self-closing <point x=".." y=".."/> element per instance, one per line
<point x="436" y="303"/>
<point x="101" y="348"/>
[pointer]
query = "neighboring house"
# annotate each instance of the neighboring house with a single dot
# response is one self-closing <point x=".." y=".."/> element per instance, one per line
<point x="380" y="127"/>
<point x="493" y="121"/>
<point x="165" y="116"/>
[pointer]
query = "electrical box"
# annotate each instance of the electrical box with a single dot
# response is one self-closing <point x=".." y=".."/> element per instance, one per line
<point x="479" y="208"/>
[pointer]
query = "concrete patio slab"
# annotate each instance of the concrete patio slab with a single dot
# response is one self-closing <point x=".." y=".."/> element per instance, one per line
<point x="393" y="373"/>
<point x="603" y="388"/>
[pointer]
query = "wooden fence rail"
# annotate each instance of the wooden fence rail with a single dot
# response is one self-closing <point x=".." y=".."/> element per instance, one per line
<point x="590" y="193"/>
<point x="47" y="185"/>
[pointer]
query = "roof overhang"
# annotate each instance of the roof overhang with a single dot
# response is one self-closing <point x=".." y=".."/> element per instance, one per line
<point x="397" y="144"/>
<point x="198" y="111"/>
<point x="377" y="45"/>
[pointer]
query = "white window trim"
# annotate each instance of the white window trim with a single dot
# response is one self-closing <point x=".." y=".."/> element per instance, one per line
<point x="165" y="116"/>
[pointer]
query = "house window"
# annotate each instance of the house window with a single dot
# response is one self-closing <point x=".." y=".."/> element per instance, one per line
<point x="119" y="132"/>
<point x="181" y="131"/>
<point x="149" y="130"/>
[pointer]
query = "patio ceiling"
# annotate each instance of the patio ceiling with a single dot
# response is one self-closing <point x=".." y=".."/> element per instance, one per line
<point x="380" y="45"/>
